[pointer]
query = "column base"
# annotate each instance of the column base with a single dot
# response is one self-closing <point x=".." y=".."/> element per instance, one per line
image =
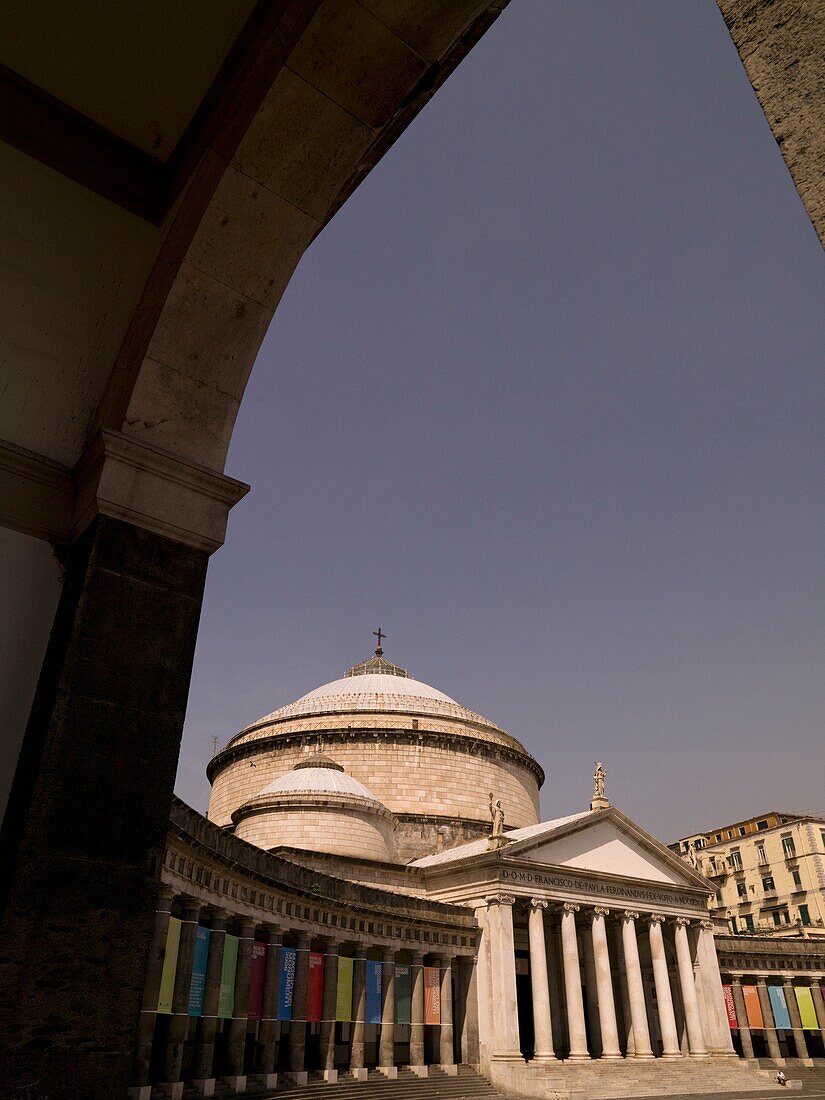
<point x="331" y="1076"/>
<point x="297" y="1076"/>
<point x="390" y="1072"/>
<point x="543" y="1060"/>
<point x="140" y="1092"/>
<point x="204" y="1086"/>
<point x="171" y="1090"/>
<point x="264" y="1080"/>
<point x="359" y="1074"/>
<point x="235" y="1081"/>
<point x="611" y="1056"/>
<point x="450" y="1068"/>
<point x="703" y="1056"/>
<point x="645" y="1056"/>
<point x="574" y="1058"/>
<point x="507" y="1056"/>
<point x="671" y="1055"/>
<point x="419" y="1071"/>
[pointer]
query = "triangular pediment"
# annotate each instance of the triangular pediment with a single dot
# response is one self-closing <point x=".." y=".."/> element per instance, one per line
<point x="606" y="843"/>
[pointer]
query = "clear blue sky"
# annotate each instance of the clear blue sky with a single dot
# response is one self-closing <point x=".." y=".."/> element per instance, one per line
<point x="545" y="402"/>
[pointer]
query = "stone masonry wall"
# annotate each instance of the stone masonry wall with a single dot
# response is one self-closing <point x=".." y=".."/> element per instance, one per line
<point x="334" y="830"/>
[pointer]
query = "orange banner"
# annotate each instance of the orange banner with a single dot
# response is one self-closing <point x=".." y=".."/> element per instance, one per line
<point x="753" y="1007"/>
<point x="432" y="995"/>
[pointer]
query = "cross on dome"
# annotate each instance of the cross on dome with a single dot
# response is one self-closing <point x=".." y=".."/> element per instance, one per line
<point x="379" y="634"/>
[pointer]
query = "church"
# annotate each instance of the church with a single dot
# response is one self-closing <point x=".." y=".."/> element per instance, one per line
<point x="374" y="891"/>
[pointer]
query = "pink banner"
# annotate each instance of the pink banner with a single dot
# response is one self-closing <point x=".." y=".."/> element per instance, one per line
<point x="730" y="1007"/>
<point x="256" y="981"/>
<point x="432" y="995"/>
<point x="315" y="988"/>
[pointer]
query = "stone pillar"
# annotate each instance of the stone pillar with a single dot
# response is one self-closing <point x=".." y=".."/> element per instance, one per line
<point x="298" y="1026"/>
<point x="635" y="986"/>
<point x="721" y="1043"/>
<point x="265" y="1055"/>
<point x="573" y="985"/>
<point x="742" y="1018"/>
<point x="239" y="1021"/>
<point x="179" y="1019"/>
<point x="87" y="820"/>
<point x="446" y="1055"/>
<point x="328" y="1014"/>
<point x="604" y="984"/>
<point x="416" y="1010"/>
<point x="386" y="1042"/>
<point x="591" y="999"/>
<point x="796" y="1023"/>
<point x="208" y="1024"/>
<point x="687" y="983"/>
<point x="503" y="960"/>
<point x="151" y="988"/>
<point x="624" y="997"/>
<point x="539" y="984"/>
<point x="359" y="993"/>
<point x="664" y="995"/>
<point x="819" y="1004"/>
<point x="770" y="1024"/>
<point x="468" y="985"/>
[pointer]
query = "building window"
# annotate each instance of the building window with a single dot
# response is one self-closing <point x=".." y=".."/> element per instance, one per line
<point x="742" y="890"/>
<point x="761" y="825"/>
<point x="735" y="859"/>
<point x="717" y="838"/>
<point x="822" y="837"/>
<point x="768" y="883"/>
<point x="741" y="830"/>
<point x="775" y="915"/>
<point x="797" y="878"/>
<point x="788" y="847"/>
<point x="760" y="855"/>
<point x="748" y="919"/>
<point x="804" y="915"/>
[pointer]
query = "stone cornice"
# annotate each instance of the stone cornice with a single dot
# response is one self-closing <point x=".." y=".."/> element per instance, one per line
<point x="461" y="742"/>
<point x="36" y="494"/>
<point x="309" y="801"/>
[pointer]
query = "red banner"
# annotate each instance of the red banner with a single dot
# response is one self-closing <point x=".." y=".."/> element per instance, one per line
<point x="256" y="981"/>
<point x="730" y="1007"/>
<point x="432" y="995"/>
<point x="315" y="988"/>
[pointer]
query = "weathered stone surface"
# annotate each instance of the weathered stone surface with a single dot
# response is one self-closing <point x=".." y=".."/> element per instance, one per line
<point x="782" y="46"/>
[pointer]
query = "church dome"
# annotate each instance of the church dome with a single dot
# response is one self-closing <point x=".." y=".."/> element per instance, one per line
<point x="310" y="777"/>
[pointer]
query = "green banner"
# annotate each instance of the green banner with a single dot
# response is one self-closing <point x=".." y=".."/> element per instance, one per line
<point x="170" y="965"/>
<point x="343" y="997"/>
<point x="806" y="1007"/>
<point x="402" y="994"/>
<point x="226" y="997"/>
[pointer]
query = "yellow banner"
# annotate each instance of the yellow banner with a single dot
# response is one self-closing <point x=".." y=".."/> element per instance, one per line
<point x="343" y="998"/>
<point x="170" y="965"/>
<point x="806" y="1007"/>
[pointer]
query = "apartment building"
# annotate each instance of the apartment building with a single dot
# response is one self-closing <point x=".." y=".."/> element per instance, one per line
<point x="768" y="873"/>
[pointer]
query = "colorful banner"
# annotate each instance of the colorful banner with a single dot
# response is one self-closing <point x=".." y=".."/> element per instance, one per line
<point x="806" y="1007"/>
<point x="315" y="988"/>
<point x="197" y="985"/>
<point x="343" y="995"/>
<point x="170" y="965"/>
<point x="226" y="996"/>
<point x="256" y="981"/>
<point x="432" y="995"/>
<point x="730" y="1007"/>
<point x="286" y="981"/>
<point x="373" y="984"/>
<point x="403" y="987"/>
<point x="753" y="1008"/>
<point x="781" y="1016"/>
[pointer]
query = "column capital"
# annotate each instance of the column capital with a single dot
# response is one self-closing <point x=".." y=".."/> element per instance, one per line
<point x="388" y="954"/>
<point x="570" y="907"/>
<point x="191" y="908"/>
<point x="683" y="922"/>
<point x="706" y="925"/>
<point x="601" y="911"/>
<point x="274" y="935"/>
<point x="247" y="927"/>
<point x="165" y="893"/>
<point x="538" y="903"/>
<point x="655" y="918"/>
<point x="416" y="958"/>
<point x="500" y="899"/>
<point x="631" y="914"/>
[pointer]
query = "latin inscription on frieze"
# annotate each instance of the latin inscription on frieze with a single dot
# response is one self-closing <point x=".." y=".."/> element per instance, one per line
<point x="599" y="889"/>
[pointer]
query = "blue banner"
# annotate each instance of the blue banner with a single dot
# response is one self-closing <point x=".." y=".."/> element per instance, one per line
<point x="198" y="982"/>
<point x="781" y="1018"/>
<point x="373" y="980"/>
<point x="286" y="982"/>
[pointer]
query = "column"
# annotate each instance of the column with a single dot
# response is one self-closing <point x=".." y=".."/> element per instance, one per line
<point x="238" y="1023"/>
<point x="328" y="1013"/>
<point x="417" y="1009"/>
<point x="604" y="984"/>
<point x="635" y="986"/>
<point x="358" y="1007"/>
<point x="624" y="997"/>
<point x="446" y="1055"/>
<point x="179" y="1019"/>
<point x="573" y="985"/>
<point x="819" y="1004"/>
<point x="690" y="1001"/>
<point x="742" y="1018"/>
<point x="268" y="1030"/>
<point x="468" y="986"/>
<point x="386" y="1041"/>
<point x="591" y="999"/>
<point x="151" y="988"/>
<point x="770" y="1025"/>
<point x="298" y="1026"/>
<point x="205" y="1045"/>
<point x="796" y="1022"/>
<point x="503" y="959"/>
<point x="712" y="990"/>
<point x="539" y="983"/>
<point x="664" y="995"/>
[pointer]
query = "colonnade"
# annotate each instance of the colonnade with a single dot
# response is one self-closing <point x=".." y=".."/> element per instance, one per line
<point x="235" y="1047"/>
<point x="590" y="996"/>
<point x="761" y="1021"/>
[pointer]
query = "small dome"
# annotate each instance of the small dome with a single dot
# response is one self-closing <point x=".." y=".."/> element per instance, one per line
<point x="311" y="778"/>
